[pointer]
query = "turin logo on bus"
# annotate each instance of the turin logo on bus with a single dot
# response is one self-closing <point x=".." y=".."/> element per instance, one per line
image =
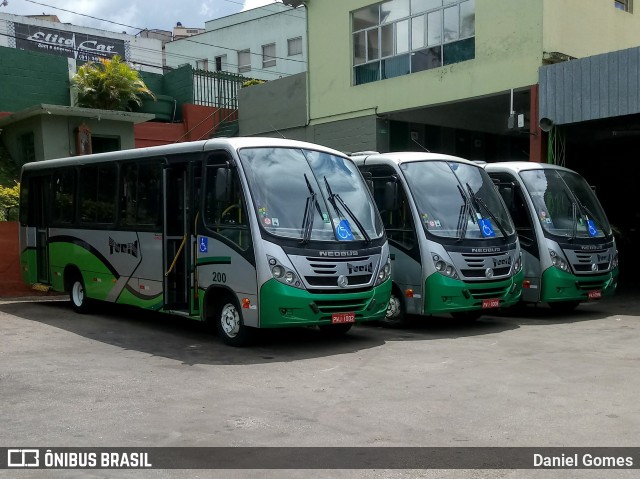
<point x="125" y="248"/>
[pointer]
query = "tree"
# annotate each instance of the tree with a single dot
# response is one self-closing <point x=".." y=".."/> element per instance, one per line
<point x="110" y="84"/>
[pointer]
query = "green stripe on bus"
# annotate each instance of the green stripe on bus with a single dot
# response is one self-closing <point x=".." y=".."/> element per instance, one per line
<point x="215" y="260"/>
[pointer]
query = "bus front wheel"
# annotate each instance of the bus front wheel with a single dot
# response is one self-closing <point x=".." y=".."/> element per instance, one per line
<point x="230" y="326"/>
<point x="78" y="296"/>
<point x="395" y="315"/>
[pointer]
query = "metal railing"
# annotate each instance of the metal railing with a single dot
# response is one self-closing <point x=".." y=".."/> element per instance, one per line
<point x="217" y="89"/>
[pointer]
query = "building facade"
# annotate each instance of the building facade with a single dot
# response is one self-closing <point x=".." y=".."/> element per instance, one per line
<point x="457" y="76"/>
<point x="264" y="43"/>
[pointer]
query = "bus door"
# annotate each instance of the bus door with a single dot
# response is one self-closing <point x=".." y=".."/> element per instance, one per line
<point x="176" y="236"/>
<point x="40" y="194"/>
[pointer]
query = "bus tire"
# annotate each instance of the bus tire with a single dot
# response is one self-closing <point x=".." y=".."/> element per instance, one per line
<point x="467" y="316"/>
<point x="334" y="330"/>
<point x="78" y="296"/>
<point x="564" y="306"/>
<point x="395" y="315"/>
<point x="230" y="325"/>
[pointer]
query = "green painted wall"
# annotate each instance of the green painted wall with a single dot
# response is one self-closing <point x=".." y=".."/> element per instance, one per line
<point x="31" y="78"/>
<point x="511" y="36"/>
<point x="178" y="83"/>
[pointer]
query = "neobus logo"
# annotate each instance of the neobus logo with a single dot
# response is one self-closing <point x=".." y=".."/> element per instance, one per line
<point x="485" y="250"/>
<point x="125" y="248"/>
<point x="338" y="253"/>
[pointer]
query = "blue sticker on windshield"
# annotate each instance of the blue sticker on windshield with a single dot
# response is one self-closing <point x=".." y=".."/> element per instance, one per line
<point x="591" y="226"/>
<point x="486" y="228"/>
<point x="343" y="230"/>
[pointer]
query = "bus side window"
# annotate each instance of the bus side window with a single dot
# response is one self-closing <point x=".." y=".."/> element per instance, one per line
<point x="140" y="190"/>
<point x="393" y="204"/>
<point x="224" y="207"/>
<point x="98" y="185"/>
<point x="64" y="190"/>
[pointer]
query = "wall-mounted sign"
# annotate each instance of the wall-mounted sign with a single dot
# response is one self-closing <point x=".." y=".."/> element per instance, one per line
<point x="79" y="46"/>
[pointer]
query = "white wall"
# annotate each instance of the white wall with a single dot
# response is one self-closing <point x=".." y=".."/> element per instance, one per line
<point x="145" y="53"/>
<point x="251" y="29"/>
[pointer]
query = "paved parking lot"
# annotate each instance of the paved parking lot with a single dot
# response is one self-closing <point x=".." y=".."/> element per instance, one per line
<point x="128" y="378"/>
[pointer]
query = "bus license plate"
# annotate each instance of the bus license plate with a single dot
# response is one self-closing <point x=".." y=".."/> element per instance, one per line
<point x="490" y="303"/>
<point x="595" y="294"/>
<point x="339" y="318"/>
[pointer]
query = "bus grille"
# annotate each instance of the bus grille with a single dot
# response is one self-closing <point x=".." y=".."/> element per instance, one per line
<point x="341" y="305"/>
<point x="585" y="260"/>
<point x="590" y="285"/>
<point x="488" y="293"/>
<point x="477" y="264"/>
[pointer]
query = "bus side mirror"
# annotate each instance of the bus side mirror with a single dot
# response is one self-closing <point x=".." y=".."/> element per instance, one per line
<point x="223" y="185"/>
<point x="390" y="195"/>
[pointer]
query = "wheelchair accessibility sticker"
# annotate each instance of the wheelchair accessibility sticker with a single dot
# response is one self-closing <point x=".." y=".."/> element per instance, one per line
<point x="486" y="228"/>
<point x="204" y="244"/>
<point x="591" y="226"/>
<point x="343" y="230"/>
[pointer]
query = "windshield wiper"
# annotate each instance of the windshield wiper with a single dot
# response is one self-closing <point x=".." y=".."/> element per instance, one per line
<point x="577" y="204"/>
<point x="332" y="199"/>
<point x="480" y="202"/>
<point x="462" y="218"/>
<point x="307" y="218"/>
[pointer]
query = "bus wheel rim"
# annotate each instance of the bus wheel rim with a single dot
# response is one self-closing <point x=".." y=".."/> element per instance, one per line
<point x="230" y="320"/>
<point x="394" y="307"/>
<point x="78" y="293"/>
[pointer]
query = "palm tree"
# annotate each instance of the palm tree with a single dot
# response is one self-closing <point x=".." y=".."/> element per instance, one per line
<point x="110" y="84"/>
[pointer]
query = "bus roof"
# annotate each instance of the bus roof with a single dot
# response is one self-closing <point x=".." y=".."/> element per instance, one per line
<point x="518" y="166"/>
<point x="405" y="157"/>
<point x="179" y="148"/>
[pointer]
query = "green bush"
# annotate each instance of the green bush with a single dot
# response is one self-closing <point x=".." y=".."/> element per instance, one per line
<point x="9" y="201"/>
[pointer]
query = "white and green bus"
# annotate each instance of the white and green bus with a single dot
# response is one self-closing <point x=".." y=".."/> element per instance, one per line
<point x="569" y="250"/>
<point x="244" y="232"/>
<point x="453" y="245"/>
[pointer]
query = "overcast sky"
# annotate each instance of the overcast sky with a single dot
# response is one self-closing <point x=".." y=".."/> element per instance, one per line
<point x="135" y="14"/>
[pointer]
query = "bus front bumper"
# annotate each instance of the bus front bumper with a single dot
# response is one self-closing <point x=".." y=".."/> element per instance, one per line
<point x="447" y="295"/>
<point x="558" y="285"/>
<point x="286" y="306"/>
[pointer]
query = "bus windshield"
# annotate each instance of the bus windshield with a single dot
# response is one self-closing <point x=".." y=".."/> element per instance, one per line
<point x="565" y="204"/>
<point x="310" y="195"/>
<point x="457" y="200"/>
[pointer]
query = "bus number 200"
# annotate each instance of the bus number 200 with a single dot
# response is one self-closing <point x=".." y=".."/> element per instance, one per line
<point x="219" y="277"/>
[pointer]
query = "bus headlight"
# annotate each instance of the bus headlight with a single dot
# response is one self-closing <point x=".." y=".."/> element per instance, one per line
<point x="277" y="271"/>
<point x="444" y="268"/>
<point x="614" y="261"/>
<point x="284" y="274"/>
<point x="517" y="265"/>
<point x="384" y="272"/>
<point x="558" y="262"/>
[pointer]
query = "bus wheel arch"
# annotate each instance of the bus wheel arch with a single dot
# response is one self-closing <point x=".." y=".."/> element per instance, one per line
<point x="396" y="311"/>
<point x="222" y="310"/>
<point x="74" y="285"/>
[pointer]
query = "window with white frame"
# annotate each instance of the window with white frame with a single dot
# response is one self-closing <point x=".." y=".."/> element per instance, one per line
<point x="244" y="61"/>
<point x="269" y="55"/>
<point x="399" y="37"/>
<point x="624" y="5"/>
<point x="294" y="46"/>
<point x="202" y="64"/>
